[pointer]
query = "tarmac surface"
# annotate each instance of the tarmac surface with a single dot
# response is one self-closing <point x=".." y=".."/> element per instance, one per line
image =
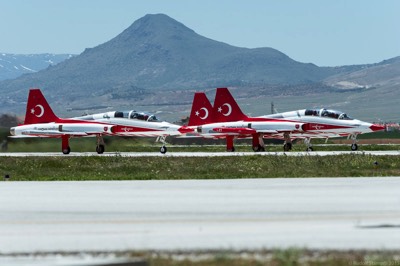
<point x="316" y="213"/>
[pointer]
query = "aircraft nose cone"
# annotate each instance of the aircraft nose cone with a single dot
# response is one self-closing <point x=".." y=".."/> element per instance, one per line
<point x="376" y="127"/>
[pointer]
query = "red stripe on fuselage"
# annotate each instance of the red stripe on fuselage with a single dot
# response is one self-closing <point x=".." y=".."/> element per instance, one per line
<point x="127" y="129"/>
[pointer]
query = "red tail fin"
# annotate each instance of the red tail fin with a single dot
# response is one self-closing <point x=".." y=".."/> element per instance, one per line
<point x="225" y="107"/>
<point x="201" y="110"/>
<point x="37" y="109"/>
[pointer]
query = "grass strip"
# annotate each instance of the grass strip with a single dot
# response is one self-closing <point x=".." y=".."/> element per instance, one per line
<point x="274" y="257"/>
<point x="277" y="257"/>
<point x="165" y="168"/>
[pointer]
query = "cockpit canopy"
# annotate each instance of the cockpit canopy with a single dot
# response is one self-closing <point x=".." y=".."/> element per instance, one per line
<point x="136" y="115"/>
<point x="144" y="116"/>
<point x="327" y="113"/>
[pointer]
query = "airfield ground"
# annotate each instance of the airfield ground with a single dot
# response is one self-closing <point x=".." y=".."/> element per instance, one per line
<point x="117" y="167"/>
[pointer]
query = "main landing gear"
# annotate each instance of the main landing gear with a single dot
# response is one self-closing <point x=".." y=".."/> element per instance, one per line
<point x="258" y="143"/>
<point x="65" y="144"/>
<point x="66" y="149"/>
<point x="258" y="148"/>
<point x="100" y="147"/>
<point x="287" y="146"/>
<point x="229" y="144"/>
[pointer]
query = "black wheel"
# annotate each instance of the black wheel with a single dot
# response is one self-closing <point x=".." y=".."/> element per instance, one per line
<point x="100" y="149"/>
<point x="67" y="150"/>
<point x="163" y="149"/>
<point x="258" y="148"/>
<point x="287" y="147"/>
<point x="354" y="147"/>
<point x="309" y="149"/>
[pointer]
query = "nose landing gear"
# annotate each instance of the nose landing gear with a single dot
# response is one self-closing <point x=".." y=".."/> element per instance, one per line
<point x="354" y="145"/>
<point x="163" y="148"/>
<point x="307" y="141"/>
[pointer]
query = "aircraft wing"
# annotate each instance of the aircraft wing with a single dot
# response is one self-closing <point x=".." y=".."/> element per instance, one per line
<point x="245" y="130"/>
<point x="268" y="131"/>
<point x="23" y="137"/>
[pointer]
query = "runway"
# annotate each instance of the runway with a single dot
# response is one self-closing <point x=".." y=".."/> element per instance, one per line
<point x="317" y="213"/>
<point x="196" y="154"/>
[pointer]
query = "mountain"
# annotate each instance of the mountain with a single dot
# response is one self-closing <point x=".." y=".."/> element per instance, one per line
<point x="158" y="53"/>
<point x="157" y="63"/>
<point x="14" y="65"/>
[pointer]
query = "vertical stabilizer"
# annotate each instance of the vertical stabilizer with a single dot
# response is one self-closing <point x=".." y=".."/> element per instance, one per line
<point x="201" y="112"/>
<point x="38" y="110"/>
<point x="226" y="108"/>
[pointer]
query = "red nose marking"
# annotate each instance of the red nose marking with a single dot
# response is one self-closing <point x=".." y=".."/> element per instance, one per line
<point x="376" y="127"/>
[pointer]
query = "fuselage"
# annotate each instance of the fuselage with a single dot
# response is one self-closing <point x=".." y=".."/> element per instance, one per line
<point x="54" y="130"/>
<point x="324" y="123"/>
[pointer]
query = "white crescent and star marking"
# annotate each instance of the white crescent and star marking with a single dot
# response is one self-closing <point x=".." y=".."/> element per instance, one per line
<point x="229" y="109"/>
<point x="205" y="113"/>
<point x="41" y="110"/>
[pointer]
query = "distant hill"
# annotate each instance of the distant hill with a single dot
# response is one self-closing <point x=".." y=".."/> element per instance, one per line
<point x="157" y="52"/>
<point x="373" y="91"/>
<point x="157" y="63"/>
<point x="14" y="65"/>
<point x="383" y="74"/>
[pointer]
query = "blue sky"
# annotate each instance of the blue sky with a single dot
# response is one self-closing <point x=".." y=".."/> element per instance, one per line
<point x="326" y="33"/>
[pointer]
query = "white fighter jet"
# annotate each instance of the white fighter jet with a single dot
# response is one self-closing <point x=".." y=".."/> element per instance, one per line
<point x="40" y="121"/>
<point x="318" y="123"/>
<point x="203" y="122"/>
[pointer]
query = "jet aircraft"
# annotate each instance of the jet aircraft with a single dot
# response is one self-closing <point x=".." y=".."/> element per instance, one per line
<point x="40" y="121"/>
<point x="318" y="123"/>
<point x="134" y="123"/>
<point x="203" y="122"/>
